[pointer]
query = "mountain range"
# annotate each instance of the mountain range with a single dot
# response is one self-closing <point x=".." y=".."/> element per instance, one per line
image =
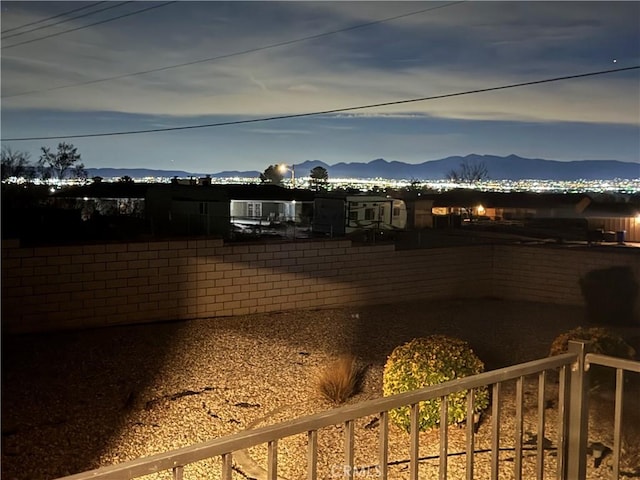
<point x="511" y="167"/>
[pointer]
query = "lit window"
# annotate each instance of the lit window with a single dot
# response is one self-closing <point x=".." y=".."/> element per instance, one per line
<point x="254" y="209"/>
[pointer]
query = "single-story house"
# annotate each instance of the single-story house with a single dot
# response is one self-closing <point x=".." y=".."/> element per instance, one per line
<point x="188" y="209"/>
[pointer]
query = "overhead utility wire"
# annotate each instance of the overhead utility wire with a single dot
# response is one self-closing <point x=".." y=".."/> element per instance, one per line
<point x="90" y="25"/>
<point x="235" y="54"/>
<point x="53" y="17"/>
<point x="65" y="20"/>
<point x="326" y="112"/>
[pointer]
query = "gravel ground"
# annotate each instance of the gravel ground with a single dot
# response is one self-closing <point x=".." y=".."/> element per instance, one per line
<point x="78" y="400"/>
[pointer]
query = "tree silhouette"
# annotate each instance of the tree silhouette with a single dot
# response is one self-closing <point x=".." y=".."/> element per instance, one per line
<point x="80" y="172"/>
<point x="15" y="164"/>
<point x="59" y="164"/>
<point x="319" y="178"/>
<point x="272" y="175"/>
<point x="126" y="179"/>
<point x="469" y="172"/>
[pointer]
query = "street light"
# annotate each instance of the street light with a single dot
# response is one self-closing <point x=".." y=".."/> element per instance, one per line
<point x="283" y="167"/>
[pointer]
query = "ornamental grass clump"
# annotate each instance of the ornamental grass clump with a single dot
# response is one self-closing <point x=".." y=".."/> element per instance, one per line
<point x="428" y="361"/>
<point x="340" y="380"/>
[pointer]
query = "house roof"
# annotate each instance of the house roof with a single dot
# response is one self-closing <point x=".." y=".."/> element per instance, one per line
<point x="612" y="209"/>
<point x="186" y="192"/>
<point x="266" y="192"/>
<point x="581" y="203"/>
<point x="105" y="190"/>
<point x="465" y="198"/>
<point x="360" y="197"/>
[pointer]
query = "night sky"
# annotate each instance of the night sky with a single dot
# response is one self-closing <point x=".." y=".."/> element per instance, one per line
<point x="452" y="47"/>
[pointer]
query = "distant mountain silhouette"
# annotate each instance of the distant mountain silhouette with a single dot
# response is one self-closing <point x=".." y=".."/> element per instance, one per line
<point x="511" y="167"/>
<point x="138" y="173"/>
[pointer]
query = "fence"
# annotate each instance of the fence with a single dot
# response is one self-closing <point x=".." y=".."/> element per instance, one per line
<point x="573" y="399"/>
<point x="87" y="286"/>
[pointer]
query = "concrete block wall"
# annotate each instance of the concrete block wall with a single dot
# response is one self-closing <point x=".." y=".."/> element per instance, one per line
<point x="551" y="274"/>
<point x="52" y="288"/>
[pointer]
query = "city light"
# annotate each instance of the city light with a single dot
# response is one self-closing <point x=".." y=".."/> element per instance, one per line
<point x="628" y="186"/>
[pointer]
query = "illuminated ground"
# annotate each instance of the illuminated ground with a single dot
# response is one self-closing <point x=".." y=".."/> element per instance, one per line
<point x="77" y="400"/>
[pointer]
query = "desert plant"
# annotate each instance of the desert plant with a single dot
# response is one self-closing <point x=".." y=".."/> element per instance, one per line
<point x="428" y="361"/>
<point x="340" y="380"/>
<point x="602" y="340"/>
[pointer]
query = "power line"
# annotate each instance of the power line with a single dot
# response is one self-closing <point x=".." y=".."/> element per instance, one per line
<point x="242" y="52"/>
<point x="326" y="112"/>
<point x="90" y="25"/>
<point x="53" y="17"/>
<point x="65" y="20"/>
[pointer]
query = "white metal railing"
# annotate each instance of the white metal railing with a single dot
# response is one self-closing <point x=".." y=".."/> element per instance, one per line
<point x="571" y="441"/>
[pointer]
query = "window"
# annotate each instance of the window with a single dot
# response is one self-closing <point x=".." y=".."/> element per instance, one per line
<point x="254" y="209"/>
<point x="396" y="211"/>
<point x="353" y="216"/>
<point x="204" y="208"/>
<point x="369" y="214"/>
<point x="439" y="210"/>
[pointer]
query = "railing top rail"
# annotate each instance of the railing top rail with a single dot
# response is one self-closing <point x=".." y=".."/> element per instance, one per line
<point x="249" y="438"/>
<point x="614" y="362"/>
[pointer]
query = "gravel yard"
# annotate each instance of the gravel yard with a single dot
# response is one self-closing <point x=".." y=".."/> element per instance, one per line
<point x="73" y="401"/>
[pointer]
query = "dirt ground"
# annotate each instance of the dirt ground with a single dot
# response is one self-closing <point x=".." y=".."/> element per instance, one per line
<point x="72" y="401"/>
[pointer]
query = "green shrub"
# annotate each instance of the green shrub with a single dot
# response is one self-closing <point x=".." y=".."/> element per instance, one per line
<point x="429" y="361"/>
<point x="603" y="341"/>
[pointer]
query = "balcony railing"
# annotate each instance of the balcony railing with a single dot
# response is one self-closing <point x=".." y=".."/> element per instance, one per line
<point x="573" y="399"/>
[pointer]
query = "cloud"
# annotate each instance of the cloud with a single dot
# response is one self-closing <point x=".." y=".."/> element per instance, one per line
<point x="279" y="131"/>
<point x="462" y="47"/>
<point x="303" y="88"/>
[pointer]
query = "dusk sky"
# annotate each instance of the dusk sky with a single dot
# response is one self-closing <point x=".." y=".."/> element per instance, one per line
<point x="453" y="47"/>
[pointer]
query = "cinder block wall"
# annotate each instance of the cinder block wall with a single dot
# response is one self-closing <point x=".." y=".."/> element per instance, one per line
<point x="98" y="285"/>
<point x="551" y="274"/>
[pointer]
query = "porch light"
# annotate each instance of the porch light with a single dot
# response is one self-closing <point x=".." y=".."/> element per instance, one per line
<point x="481" y="210"/>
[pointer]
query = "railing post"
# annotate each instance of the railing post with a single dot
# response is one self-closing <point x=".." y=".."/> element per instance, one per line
<point x="578" y="414"/>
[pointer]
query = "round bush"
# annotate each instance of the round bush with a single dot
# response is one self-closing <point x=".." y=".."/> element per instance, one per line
<point x="603" y="341"/>
<point x="429" y="361"/>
